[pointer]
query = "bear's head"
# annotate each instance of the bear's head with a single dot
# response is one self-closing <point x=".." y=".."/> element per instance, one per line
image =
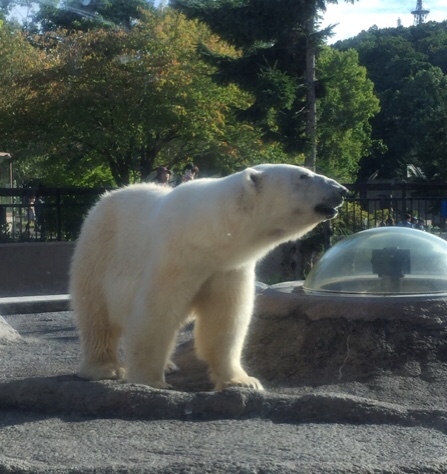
<point x="288" y="201"/>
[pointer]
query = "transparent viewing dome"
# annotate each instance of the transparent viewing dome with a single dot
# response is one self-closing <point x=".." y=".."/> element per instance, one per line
<point x="382" y="261"/>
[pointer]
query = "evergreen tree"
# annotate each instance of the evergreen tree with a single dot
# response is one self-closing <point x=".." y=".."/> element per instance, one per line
<point x="278" y="41"/>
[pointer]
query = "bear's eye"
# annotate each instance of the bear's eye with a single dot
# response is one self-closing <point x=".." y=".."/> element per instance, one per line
<point x="305" y="176"/>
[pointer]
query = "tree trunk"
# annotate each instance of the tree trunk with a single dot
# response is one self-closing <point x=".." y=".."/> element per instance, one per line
<point x="311" y="123"/>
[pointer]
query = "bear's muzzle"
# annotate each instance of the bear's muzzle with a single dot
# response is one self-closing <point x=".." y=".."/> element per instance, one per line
<point x="329" y="207"/>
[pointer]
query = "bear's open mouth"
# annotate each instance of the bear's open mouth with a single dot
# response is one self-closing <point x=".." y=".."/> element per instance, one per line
<point x="326" y="211"/>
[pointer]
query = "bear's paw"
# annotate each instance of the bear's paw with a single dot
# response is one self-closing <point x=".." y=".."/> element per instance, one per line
<point x="160" y="384"/>
<point x="170" y="368"/>
<point x="102" y="372"/>
<point x="241" y="381"/>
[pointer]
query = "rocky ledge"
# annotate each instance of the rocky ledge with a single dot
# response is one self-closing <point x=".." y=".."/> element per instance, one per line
<point x="344" y="394"/>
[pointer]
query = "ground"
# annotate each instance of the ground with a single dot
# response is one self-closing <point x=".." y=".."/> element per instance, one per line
<point x="382" y="421"/>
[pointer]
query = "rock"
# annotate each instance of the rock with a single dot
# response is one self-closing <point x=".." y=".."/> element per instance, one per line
<point x="343" y="395"/>
<point x="7" y="333"/>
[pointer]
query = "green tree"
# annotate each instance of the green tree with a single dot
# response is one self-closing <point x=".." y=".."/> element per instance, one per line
<point x="419" y="111"/>
<point x="408" y="67"/>
<point x="345" y="111"/>
<point x="18" y="59"/>
<point x="90" y="14"/>
<point x="112" y="105"/>
<point x="278" y="42"/>
<point x="50" y="15"/>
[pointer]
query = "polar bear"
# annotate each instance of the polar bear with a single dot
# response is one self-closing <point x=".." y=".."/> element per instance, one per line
<point x="148" y="257"/>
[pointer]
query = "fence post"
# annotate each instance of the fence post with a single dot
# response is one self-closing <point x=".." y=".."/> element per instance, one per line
<point x="404" y="200"/>
<point x="59" y="215"/>
<point x="327" y="233"/>
<point x="2" y="215"/>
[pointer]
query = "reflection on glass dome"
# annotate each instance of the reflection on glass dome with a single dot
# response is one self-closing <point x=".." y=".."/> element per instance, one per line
<point x="382" y="261"/>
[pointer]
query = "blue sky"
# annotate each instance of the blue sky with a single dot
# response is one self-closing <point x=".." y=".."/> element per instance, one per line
<point x="352" y="19"/>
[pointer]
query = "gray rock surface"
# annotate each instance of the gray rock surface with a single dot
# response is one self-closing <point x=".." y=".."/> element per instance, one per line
<point x="343" y="396"/>
<point x="8" y="334"/>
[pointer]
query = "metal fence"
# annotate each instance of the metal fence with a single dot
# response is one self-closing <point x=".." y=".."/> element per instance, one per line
<point x="360" y="214"/>
<point x="48" y="214"/>
<point x="370" y="205"/>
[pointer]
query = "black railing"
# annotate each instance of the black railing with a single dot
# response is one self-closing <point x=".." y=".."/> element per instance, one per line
<point x="44" y="214"/>
<point x="371" y="205"/>
<point x="47" y="214"/>
<point x="360" y="214"/>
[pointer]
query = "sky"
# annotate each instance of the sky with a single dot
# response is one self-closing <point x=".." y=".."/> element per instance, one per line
<point x="352" y="19"/>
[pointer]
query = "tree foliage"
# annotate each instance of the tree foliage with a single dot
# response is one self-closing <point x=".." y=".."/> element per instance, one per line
<point x="18" y="60"/>
<point x="112" y="105"/>
<point x="50" y="15"/>
<point x="274" y="38"/>
<point x="408" y="67"/>
<point x="345" y="111"/>
<point x="107" y="101"/>
<point x="89" y="14"/>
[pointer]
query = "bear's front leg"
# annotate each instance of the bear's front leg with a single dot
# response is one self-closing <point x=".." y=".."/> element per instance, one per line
<point x="223" y="308"/>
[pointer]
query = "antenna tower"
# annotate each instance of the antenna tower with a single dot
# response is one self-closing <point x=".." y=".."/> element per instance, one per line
<point x="419" y="13"/>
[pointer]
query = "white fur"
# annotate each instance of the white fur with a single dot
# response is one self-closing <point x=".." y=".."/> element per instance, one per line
<point x="148" y="257"/>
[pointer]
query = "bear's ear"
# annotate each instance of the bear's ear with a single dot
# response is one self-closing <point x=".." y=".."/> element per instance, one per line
<point x="254" y="178"/>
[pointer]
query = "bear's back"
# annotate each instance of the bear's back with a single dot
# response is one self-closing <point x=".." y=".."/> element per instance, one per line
<point x="115" y="241"/>
<point x="137" y="204"/>
<point x="119" y="217"/>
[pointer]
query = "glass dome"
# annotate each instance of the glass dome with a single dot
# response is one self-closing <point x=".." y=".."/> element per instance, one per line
<point x="382" y="261"/>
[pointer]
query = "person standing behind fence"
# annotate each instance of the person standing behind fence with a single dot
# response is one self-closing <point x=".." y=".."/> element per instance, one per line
<point x="406" y="222"/>
<point x="39" y="205"/>
<point x="390" y="222"/>
<point x="31" y="214"/>
<point x="190" y="172"/>
<point x="163" y="176"/>
<point x="420" y="224"/>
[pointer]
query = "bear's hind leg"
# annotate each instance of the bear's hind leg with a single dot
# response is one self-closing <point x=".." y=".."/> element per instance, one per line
<point x="150" y="340"/>
<point x="99" y="343"/>
<point x="148" y="351"/>
<point x="223" y="309"/>
<point x="161" y="308"/>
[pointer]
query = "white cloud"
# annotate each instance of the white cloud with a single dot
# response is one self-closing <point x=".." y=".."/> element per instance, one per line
<point x="364" y="14"/>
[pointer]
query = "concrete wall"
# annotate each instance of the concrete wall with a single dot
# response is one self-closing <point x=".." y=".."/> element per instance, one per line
<point x="28" y="269"/>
